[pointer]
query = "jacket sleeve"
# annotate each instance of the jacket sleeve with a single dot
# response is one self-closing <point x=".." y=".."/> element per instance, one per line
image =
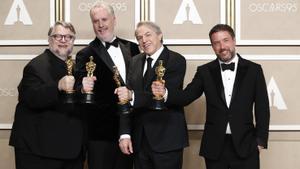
<point x="35" y="91"/>
<point x="192" y="91"/>
<point x="262" y="111"/>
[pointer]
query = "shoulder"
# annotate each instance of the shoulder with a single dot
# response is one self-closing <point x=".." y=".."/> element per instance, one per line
<point x="176" y="56"/>
<point x="137" y="60"/>
<point x="124" y="41"/>
<point x="134" y="48"/>
<point x="210" y="65"/>
<point x="38" y="64"/>
<point x="249" y="63"/>
<point x="41" y="59"/>
<point x="138" y="57"/>
<point x="87" y="51"/>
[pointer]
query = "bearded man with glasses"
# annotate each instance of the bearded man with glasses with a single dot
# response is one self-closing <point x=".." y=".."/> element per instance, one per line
<point x="46" y="132"/>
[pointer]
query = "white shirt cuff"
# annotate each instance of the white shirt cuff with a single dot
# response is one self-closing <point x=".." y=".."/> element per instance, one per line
<point x="166" y="95"/>
<point x="132" y="97"/>
<point x="123" y="136"/>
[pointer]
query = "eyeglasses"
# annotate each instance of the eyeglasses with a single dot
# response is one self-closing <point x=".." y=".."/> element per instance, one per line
<point x="59" y="37"/>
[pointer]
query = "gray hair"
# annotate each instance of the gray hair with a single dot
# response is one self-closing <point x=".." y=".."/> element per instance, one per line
<point x="150" y="25"/>
<point x="64" y="24"/>
<point x="105" y="6"/>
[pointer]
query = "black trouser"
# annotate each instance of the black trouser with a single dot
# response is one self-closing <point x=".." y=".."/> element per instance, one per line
<point x="107" y="155"/>
<point x="146" y="158"/>
<point x="230" y="160"/>
<point x="26" y="160"/>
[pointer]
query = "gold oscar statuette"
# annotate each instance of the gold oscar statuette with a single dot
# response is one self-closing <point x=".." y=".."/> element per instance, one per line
<point x="69" y="95"/>
<point x="158" y="99"/>
<point x="123" y="106"/>
<point x="90" y="66"/>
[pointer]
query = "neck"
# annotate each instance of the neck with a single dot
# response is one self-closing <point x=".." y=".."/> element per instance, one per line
<point x="113" y="37"/>
<point x="64" y="58"/>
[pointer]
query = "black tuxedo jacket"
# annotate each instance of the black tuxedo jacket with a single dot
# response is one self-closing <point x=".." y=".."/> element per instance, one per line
<point x="165" y="130"/>
<point x="43" y="125"/>
<point x="102" y="118"/>
<point x="249" y="93"/>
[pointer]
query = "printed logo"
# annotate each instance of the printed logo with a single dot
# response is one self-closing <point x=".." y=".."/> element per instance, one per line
<point x="187" y="12"/>
<point x="18" y="13"/>
<point x="275" y="97"/>
<point x="279" y="6"/>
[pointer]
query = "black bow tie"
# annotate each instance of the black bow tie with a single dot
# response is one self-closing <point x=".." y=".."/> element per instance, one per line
<point x="227" y="66"/>
<point x="113" y="43"/>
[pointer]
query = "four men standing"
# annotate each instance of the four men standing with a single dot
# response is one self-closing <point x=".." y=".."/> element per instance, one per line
<point x="48" y="133"/>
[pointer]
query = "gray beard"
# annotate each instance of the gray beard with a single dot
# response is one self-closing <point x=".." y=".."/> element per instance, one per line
<point x="61" y="55"/>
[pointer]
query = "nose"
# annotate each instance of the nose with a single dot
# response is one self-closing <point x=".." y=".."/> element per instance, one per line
<point x="141" y="40"/>
<point x="222" y="46"/>
<point x="100" y="24"/>
<point x="144" y="39"/>
<point x="63" y="39"/>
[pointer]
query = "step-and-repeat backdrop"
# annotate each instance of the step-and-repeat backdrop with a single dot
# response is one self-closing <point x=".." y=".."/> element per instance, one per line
<point x="267" y="32"/>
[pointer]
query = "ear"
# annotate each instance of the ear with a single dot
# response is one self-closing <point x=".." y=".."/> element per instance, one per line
<point x="160" y="36"/>
<point x="115" y="20"/>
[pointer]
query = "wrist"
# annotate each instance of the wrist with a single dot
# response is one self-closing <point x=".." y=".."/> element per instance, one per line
<point x="130" y="95"/>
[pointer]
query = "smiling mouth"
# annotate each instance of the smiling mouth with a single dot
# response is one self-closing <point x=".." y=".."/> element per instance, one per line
<point x="224" y="52"/>
<point x="102" y="30"/>
<point x="145" y="46"/>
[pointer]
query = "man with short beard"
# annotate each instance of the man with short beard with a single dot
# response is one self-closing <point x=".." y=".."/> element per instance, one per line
<point x="238" y="115"/>
<point x="47" y="133"/>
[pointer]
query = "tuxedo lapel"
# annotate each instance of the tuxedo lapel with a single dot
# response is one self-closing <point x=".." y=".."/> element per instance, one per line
<point x="216" y="75"/>
<point x="125" y="49"/>
<point x="240" y="74"/>
<point x="138" y="76"/>
<point x="102" y="53"/>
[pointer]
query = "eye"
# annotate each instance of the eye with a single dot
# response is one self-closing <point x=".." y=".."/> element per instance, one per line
<point x="215" y="43"/>
<point x="139" y="37"/>
<point x="148" y="34"/>
<point x="69" y="37"/>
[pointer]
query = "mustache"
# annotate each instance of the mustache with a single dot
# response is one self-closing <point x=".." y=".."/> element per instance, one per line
<point x="222" y="50"/>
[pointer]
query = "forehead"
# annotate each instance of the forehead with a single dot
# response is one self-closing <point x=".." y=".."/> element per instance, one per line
<point x="144" y="29"/>
<point x="221" y="35"/>
<point x="100" y="12"/>
<point x="61" y="29"/>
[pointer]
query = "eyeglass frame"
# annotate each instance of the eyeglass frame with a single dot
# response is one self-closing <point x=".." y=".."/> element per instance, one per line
<point x="59" y="37"/>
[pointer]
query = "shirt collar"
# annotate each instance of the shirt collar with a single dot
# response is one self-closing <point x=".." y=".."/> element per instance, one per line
<point x="235" y="60"/>
<point x="156" y="54"/>
<point x="103" y="43"/>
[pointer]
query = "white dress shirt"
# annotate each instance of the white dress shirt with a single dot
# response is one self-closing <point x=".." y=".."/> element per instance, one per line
<point x="228" y="78"/>
<point x="154" y="57"/>
<point x="117" y="56"/>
